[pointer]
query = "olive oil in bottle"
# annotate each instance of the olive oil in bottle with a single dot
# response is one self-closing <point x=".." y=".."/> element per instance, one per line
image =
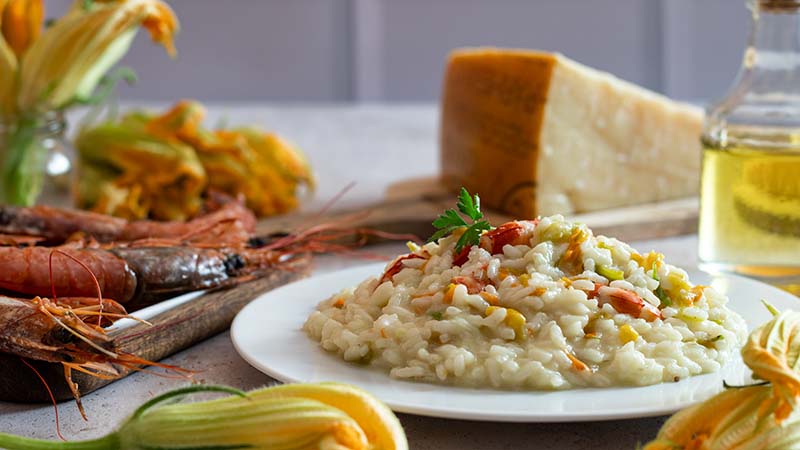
<point x="750" y="193"/>
<point x="750" y="213"/>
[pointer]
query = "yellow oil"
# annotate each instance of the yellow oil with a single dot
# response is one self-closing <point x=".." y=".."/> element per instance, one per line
<point x="750" y="213"/>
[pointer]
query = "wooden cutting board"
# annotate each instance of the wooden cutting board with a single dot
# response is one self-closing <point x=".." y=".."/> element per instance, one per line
<point x="411" y="206"/>
<point x="169" y="332"/>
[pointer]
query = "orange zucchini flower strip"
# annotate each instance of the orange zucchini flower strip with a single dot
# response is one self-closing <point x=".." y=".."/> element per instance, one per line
<point x="749" y="418"/>
<point x="21" y="23"/>
<point x="68" y="60"/>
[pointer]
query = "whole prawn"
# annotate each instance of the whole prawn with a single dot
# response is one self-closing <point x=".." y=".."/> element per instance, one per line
<point x="230" y="223"/>
<point x="143" y="262"/>
<point x="130" y="275"/>
<point x="141" y="273"/>
<point x="58" y="332"/>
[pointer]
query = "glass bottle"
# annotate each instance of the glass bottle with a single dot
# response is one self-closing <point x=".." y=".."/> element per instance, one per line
<point x="750" y="193"/>
<point x="35" y="160"/>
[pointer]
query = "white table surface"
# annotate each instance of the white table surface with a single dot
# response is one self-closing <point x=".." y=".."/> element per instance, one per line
<point x="373" y="146"/>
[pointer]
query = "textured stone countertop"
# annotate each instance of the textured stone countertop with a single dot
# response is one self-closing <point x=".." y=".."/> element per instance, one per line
<point x="373" y="146"/>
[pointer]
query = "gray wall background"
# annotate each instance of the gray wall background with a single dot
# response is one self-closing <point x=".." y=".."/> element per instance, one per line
<point x="394" y="50"/>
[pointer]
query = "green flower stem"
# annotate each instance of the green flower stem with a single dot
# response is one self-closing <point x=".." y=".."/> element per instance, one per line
<point x="12" y="442"/>
<point x="23" y="162"/>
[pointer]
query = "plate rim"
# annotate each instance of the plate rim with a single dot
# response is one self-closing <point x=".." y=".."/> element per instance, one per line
<point x="447" y="412"/>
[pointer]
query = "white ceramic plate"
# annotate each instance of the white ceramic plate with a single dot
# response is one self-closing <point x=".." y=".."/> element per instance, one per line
<point x="268" y="334"/>
<point x="154" y="310"/>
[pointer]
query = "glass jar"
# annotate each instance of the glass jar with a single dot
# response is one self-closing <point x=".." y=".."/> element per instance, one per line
<point x="36" y="160"/>
<point x="750" y="193"/>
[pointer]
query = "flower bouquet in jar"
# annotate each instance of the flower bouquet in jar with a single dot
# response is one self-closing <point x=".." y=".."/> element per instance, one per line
<point x="46" y="69"/>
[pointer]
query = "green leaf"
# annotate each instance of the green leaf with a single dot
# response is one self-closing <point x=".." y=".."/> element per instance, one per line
<point x="449" y="218"/>
<point x="469" y="206"/>
<point x="441" y="233"/>
<point x="472" y="235"/>
<point x="477" y="201"/>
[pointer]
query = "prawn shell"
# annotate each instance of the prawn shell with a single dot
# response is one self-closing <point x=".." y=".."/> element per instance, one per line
<point x="232" y="223"/>
<point x="510" y="233"/>
<point x="162" y="272"/>
<point x="27" y="271"/>
<point x="56" y="225"/>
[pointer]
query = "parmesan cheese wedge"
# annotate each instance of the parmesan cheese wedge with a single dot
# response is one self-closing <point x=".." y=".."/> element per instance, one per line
<point x="536" y="133"/>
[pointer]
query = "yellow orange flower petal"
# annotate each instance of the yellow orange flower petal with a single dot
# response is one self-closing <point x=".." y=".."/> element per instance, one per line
<point x="8" y="72"/>
<point x="182" y="121"/>
<point x="21" y="23"/>
<point x="71" y="56"/>
<point x="162" y="26"/>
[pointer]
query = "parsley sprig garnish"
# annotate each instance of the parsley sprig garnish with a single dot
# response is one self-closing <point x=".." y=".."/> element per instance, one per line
<point x="451" y="220"/>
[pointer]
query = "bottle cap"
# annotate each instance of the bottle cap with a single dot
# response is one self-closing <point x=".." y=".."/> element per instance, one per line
<point x="779" y="5"/>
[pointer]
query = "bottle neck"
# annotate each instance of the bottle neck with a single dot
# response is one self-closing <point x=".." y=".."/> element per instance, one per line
<point x="762" y="108"/>
<point x="775" y="35"/>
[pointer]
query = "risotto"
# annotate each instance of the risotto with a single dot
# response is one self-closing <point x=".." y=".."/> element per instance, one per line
<point x="538" y="304"/>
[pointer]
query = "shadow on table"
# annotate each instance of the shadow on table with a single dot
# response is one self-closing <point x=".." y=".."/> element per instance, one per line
<point x="441" y="434"/>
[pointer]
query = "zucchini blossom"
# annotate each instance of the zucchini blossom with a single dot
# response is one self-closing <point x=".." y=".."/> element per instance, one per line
<point x="67" y="61"/>
<point x="48" y="69"/>
<point x="326" y="416"/>
<point x="263" y="168"/>
<point x="757" y="417"/>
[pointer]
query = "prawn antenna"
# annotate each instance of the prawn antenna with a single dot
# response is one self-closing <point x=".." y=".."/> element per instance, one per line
<point x="329" y="204"/>
<point x="50" y="393"/>
<point x="91" y="274"/>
